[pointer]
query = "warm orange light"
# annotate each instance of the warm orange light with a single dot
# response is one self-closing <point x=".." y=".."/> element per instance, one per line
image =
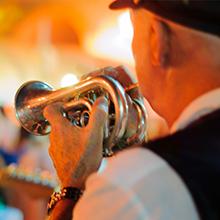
<point x="113" y="41"/>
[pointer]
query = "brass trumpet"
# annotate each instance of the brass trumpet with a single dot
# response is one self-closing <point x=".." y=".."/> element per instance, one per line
<point x="127" y="116"/>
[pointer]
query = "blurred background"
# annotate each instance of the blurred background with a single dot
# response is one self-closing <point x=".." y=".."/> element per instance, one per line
<point x="55" y="41"/>
<point x="58" y="40"/>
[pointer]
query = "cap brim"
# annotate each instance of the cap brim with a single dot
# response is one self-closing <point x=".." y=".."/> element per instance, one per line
<point x="189" y="16"/>
<point x="119" y="4"/>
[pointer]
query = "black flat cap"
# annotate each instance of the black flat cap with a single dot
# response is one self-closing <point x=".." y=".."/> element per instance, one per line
<point x="203" y="15"/>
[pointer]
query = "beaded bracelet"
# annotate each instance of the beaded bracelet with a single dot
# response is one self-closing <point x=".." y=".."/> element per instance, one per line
<point x="65" y="193"/>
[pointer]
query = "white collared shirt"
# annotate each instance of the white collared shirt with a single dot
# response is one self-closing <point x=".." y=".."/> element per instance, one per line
<point x="136" y="184"/>
<point x="201" y="106"/>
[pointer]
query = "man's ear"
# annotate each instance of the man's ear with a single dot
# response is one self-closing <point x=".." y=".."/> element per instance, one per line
<point x="159" y="43"/>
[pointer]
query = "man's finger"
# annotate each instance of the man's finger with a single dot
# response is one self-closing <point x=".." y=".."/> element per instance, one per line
<point x="99" y="115"/>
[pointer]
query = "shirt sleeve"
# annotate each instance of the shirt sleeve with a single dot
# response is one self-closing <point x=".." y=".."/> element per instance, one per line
<point x="135" y="185"/>
<point x="104" y="200"/>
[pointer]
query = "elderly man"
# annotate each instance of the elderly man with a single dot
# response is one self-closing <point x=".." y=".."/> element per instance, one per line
<point x="176" y="45"/>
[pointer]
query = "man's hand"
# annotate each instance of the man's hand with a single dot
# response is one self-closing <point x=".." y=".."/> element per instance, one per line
<point x="76" y="152"/>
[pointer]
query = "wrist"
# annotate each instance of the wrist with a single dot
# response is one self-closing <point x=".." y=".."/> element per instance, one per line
<point x="66" y="193"/>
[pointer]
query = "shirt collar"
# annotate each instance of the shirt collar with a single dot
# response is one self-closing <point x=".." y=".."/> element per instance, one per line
<point x="201" y="106"/>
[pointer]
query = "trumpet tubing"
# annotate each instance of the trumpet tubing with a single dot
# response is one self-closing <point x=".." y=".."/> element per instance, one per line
<point x="126" y="106"/>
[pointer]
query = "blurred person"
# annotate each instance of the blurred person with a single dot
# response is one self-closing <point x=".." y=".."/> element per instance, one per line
<point x="32" y="162"/>
<point x="10" y="147"/>
<point x="30" y="155"/>
<point x="20" y="147"/>
<point x="176" y="46"/>
<point x="7" y="157"/>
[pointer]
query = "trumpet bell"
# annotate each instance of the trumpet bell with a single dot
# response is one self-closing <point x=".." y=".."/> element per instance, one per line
<point x="31" y="118"/>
